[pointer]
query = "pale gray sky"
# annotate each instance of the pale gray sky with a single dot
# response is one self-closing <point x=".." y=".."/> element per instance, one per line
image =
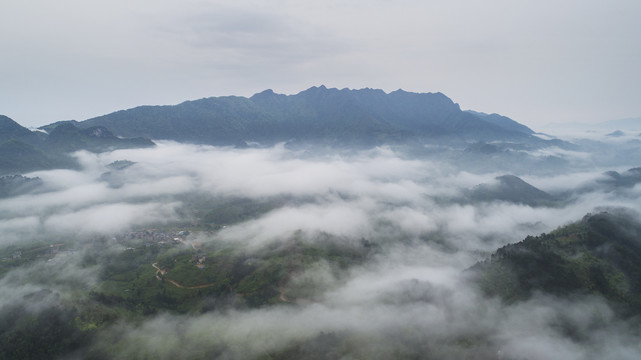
<point x="535" y="61"/>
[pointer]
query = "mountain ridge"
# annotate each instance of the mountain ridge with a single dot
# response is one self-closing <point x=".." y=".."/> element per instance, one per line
<point x="23" y="150"/>
<point x="318" y="114"/>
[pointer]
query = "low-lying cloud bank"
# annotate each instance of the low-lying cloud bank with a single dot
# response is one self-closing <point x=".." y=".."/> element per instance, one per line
<point x="357" y="195"/>
<point x="401" y="312"/>
<point x="408" y="300"/>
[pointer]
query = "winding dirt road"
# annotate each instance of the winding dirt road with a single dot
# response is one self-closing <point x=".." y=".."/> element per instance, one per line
<point x="160" y="271"/>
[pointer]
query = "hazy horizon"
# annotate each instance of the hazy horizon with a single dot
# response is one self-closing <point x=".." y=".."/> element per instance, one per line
<point x="536" y="63"/>
<point x="556" y="128"/>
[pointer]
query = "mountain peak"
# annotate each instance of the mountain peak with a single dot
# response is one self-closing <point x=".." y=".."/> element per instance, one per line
<point x="513" y="189"/>
<point x="266" y="92"/>
<point x="10" y="128"/>
<point x="316" y="90"/>
<point x="264" y="95"/>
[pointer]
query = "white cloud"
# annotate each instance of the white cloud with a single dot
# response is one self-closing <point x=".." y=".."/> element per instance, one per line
<point x="410" y="292"/>
<point x="109" y="218"/>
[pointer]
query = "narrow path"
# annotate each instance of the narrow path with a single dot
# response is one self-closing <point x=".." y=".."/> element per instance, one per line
<point x="175" y="283"/>
<point x="158" y="270"/>
<point x="282" y="296"/>
<point x="44" y="247"/>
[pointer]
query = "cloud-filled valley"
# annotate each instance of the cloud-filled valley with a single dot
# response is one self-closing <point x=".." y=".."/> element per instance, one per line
<point x="320" y="180"/>
<point x="362" y="194"/>
<point x="408" y="222"/>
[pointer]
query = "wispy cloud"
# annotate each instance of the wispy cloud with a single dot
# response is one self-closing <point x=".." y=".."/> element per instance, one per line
<point x="410" y="293"/>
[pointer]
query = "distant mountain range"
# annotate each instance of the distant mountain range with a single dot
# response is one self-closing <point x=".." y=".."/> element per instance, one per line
<point x="23" y="150"/>
<point x="626" y="124"/>
<point x="318" y="114"/>
<point x="631" y="124"/>
<point x="512" y="189"/>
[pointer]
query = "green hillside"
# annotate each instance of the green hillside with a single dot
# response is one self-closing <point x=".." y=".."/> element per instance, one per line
<point x="599" y="255"/>
<point x="22" y="150"/>
<point x="20" y="157"/>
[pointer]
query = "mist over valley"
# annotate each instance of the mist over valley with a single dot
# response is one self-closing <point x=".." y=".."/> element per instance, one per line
<point x="328" y="224"/>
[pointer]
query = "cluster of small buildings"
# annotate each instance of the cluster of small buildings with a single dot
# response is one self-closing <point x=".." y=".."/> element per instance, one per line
<point x="151" y="236"/>
<point x="15" y="256"/>
<point x="199" y="260"/>
<point x="49" y="251"/>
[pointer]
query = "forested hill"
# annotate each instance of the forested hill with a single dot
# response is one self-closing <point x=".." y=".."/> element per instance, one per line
<point x="318" y="114"/>
<point x="599" y="255"/>
<point x="23" y="150"/>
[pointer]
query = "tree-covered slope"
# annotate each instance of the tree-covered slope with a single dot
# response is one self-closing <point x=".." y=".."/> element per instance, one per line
<point x="22" y="150"/>
<point x="12" y="185"/>
<point x="10" y="129"/>
<point x="599" y="255"/>
<point x="19" y="157"/>
<point x="67" y="138"/>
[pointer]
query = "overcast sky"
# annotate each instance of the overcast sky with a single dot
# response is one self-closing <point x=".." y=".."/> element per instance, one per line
<point x="535" y="61"/>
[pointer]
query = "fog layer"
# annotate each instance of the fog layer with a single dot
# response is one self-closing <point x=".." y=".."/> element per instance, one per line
<point x="409" y="298"/>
